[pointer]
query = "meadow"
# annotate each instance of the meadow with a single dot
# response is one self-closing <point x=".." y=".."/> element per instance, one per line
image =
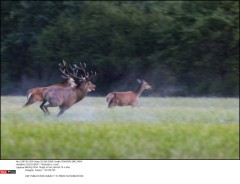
<point x="159" y="128"/>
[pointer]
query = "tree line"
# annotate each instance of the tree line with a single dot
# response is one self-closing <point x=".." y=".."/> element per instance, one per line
<point x="182" y="48"/>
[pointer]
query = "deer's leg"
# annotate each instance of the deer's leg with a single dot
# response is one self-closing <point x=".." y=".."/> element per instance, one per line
<point x="46" y="108"/>
<point x="62" y="110"/>
<point x="133" y="105"/>
<point x="111" y="105"/>
<point x="42" y="106"/>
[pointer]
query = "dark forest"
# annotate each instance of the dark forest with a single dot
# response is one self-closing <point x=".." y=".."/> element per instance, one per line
<point x="182" y="48"/>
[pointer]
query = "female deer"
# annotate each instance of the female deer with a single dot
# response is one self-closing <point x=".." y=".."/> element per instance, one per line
<point x="128" y="97"/>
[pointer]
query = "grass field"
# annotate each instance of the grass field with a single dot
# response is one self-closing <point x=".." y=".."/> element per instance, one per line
<point x="160" y="128"/>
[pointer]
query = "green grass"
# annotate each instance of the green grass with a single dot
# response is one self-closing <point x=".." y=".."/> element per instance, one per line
<point x="160" y="128"/>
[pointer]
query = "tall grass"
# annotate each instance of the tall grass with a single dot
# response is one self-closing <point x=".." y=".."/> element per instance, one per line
<point x="160" y="128"/>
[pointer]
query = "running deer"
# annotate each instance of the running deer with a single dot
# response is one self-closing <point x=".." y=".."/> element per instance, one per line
<point x="128" y="97"/>
<point x="64" y="98"/>
<point x="36" y="94"/>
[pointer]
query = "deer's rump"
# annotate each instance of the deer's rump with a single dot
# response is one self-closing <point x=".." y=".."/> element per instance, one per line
<point x="37" y="93"/>
<point x="109" y="97"/>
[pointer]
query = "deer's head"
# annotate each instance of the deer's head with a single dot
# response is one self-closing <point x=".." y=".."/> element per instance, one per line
<point x="85" y="78"/>
<point x="144" y="84"/>
<point x="90" y="86"/>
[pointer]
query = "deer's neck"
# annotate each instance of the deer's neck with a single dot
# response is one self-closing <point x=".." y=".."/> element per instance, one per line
<point x="139" y="90"/>
<point x="81" y="91"/>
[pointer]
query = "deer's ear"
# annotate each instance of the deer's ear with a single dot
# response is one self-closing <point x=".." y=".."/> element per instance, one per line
<point x="139" y="81"/>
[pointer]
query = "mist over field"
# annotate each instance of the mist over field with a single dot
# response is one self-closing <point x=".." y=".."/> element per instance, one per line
<point x="159" y="128"/>
<point x="127" y="83"/>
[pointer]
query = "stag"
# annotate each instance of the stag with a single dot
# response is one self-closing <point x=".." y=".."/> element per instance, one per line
<point x="36" y="94"/>
<point x="64" y="98"/>
<point x="128" y="97"/>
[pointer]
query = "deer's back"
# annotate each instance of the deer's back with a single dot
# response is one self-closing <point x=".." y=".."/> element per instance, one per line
<point x="37" y="90"/>
<point x="64" y="84"/>
<point x="124" y="98"/>
<point x="40" y="90"/>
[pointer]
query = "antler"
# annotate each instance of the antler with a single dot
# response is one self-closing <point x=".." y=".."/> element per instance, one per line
<point x="83" y="68"/>
<point x="74" y="71"/>
<point x="86" y="74"/>
<point x="63" y="69"/>
<point x="92" y="75"/>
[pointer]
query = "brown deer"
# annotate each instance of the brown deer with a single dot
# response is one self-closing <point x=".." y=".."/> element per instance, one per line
<point x="36" y="94"/>
<point x="67" y="97"/>
<point x="128" y="97"/>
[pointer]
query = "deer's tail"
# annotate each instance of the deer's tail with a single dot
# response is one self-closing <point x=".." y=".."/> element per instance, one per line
<point x="109" y="97"/>
<point x="29" y="96"/>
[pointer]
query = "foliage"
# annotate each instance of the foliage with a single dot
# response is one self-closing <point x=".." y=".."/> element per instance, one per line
<point x="182" y="47"/>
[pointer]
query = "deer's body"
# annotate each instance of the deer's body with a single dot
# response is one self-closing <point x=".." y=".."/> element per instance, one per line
<point x="64" y="94"/>
<point x="128" y="97"/>
<point x="64" y="98"/>
<point x="36" y="94"/>
<point x="121" y="98"/>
